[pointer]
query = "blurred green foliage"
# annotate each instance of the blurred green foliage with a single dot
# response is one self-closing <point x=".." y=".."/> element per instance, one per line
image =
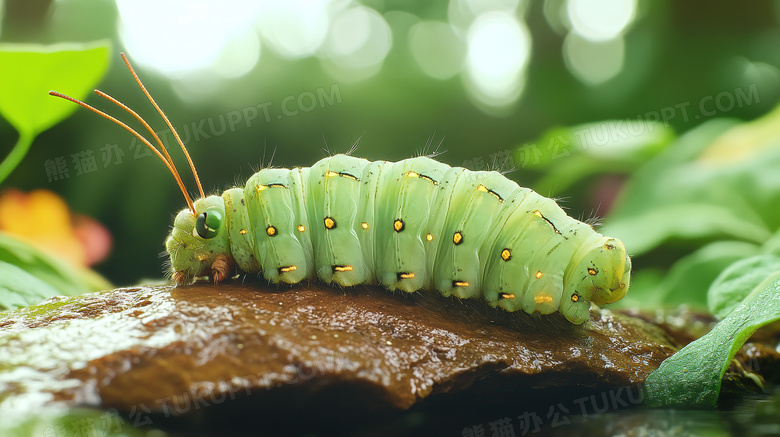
<point x="74" y="422"/>
<point x="28" y="275"/>
<point x="715" y="191"/>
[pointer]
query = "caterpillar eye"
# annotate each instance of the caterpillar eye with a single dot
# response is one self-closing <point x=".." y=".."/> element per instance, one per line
<point x="208" y="223"/>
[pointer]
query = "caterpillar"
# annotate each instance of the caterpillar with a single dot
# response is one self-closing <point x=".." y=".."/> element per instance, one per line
<point x="416" y="224"/>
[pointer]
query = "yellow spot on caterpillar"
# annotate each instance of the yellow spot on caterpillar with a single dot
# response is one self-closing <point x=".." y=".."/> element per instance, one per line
<point x="539" y="214"/>
<point x="342" y="268"/>
<point x="260" y="188"/>
<point x="409" y="275"/>
<point x="271" y="231"/>
<point x="242" y="232"/>
<point x="538" y="274"/>
<point x="414" y="174"/>
<point x="507" y="295"/>
<point x="288" y="269"/>
<point x="331" y="173"/>
<point x="543" y="298"/>
<point x="460" y="283"/>
<point x="301" y="228"/>
<point x="575" y="297"/>
<point x="457" y="238"/>
<point x="429" y="179"/>
<point x="329" y="223"/>
<point x="202" y="257"/>
<point x="398" y="225"/>
<point x="506" y="254"/>
<point x="429" y="237"/>
<point x="592" y="272"/>
<point x="485" y="189"/>
<point x="364" y="225"/>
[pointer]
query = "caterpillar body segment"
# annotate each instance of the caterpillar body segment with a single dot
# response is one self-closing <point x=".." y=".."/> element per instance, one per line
<point x="416" y="224"/>
<point x="407" y="193"/>
<point x="334" y="193"/>
<point x="272" y="199"/>
<point x="242" y="243"/>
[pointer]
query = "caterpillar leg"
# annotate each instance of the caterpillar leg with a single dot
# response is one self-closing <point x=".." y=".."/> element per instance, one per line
<point x="179" y="277"/>
<point x="222" y="267"/>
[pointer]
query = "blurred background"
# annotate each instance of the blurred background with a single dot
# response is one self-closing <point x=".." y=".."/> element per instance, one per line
<point x="575" y="96"/>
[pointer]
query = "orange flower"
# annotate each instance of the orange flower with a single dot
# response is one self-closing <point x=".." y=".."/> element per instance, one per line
<point x="44" y="220"/>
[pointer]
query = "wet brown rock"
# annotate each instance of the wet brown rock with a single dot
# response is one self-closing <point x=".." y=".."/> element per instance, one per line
<point x="244" y="356"/>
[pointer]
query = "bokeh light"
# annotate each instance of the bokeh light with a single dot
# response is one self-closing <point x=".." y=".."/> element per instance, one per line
<point x="593" y="48"/>
<point x="462" y="13"/>
<point x="294" y="28"/>
<point x="499" y="47"/>
<point x="239" y="56"/>
<point x="600" y="20"/>
<point x="179" y="36"/>
<point x="555" y="13"/>
<point x="593" y="62"/>
<point x="436" y="48"/>
<point x="485" y="40"/>
<point x="359" y="40"/>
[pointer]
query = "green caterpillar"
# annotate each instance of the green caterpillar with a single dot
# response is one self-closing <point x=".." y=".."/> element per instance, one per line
<point x="416" y="224"/>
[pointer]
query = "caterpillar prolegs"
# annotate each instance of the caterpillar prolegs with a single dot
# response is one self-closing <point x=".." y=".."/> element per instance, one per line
<point x="416" y="224"/>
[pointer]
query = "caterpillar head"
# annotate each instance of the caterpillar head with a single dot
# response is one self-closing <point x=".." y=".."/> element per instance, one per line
<point x="197" y="244"/>
<point x="600" y="273"/>
<point x="197" y="241"/>
<point x="190" y="250"/>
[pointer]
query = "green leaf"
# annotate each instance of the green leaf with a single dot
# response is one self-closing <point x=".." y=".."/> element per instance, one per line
<point x="689" y="278"/>
<point x="644" y="231"/>
<point x="739" y="280"/>
<point x="692" y="191"/>
<point x="772" y="246"/>
<point x="29" y="71"/>
<point x="66" y="279"/>
<point x="570" y="154"/>
<point x="20" y="289"/>
<point x="692" y="377"/>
